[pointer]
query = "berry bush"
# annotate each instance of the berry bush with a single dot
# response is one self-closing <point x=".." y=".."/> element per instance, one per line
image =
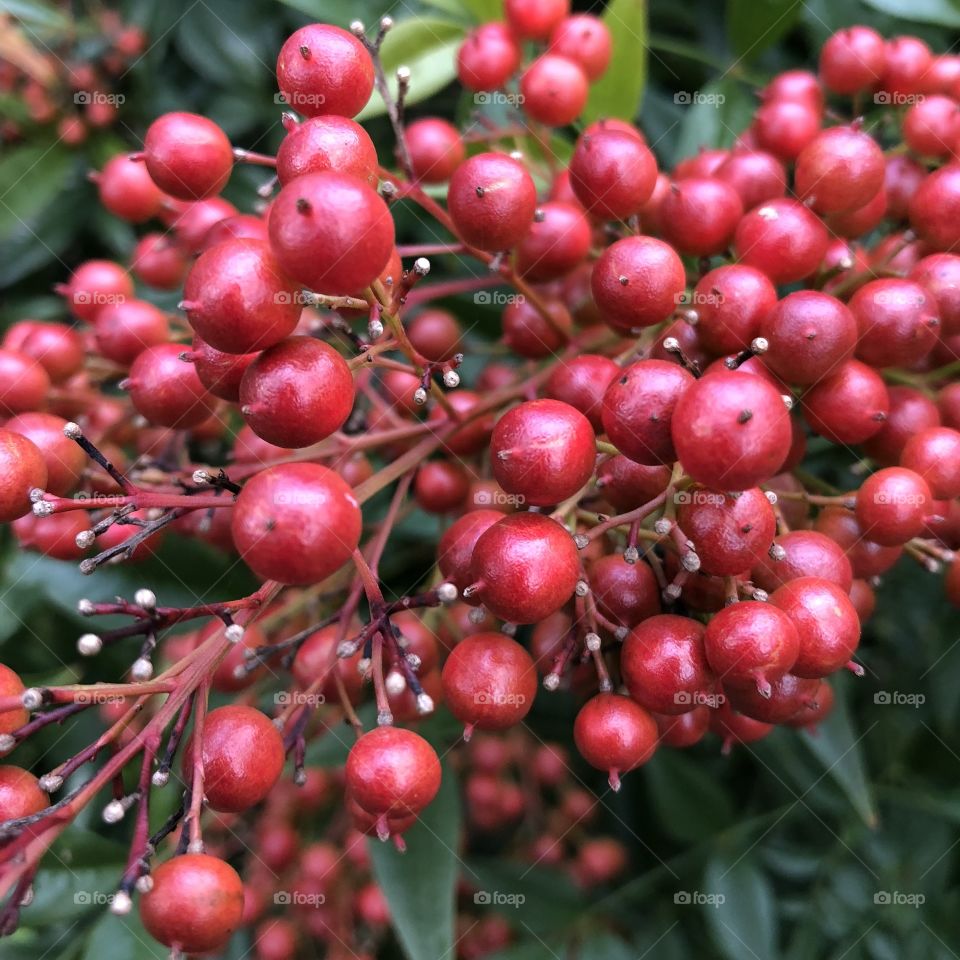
<point x="415" y="421"/>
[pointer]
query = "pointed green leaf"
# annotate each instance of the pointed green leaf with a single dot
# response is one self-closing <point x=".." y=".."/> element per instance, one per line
<point x="739" y="905"/>
<point x="619" y="92"/>
<point x="943" y="12"/>
<point x="754" y="25"/>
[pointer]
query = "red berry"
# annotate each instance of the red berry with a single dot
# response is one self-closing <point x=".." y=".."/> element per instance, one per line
<point x="195" y="221"/>
<point x="65" y="460"/>
<point x="809" y="335"/>
<point x="615" y="734"/>
<point x="907" y="61"/>
<point x="826" y="622"/>
<point x="322" y="69"/>
<point x="475" y="432"/>
<point x="700" y="214"/>
<point x="558" y="240"/>
<point x="783" y="239"/>
<point x="612" y="173"/>
<point x="455" y="549"/>
<point x="803" y="553"/>
<point x="436" y="334"/>
<point x="20" y="794"/>
<point x="581" y="382"/>
<point x="441" y="486"/>
<point x="95" y="284"/>
<point x="124" y="330"/>
<point x="627" y="485"/>
<point x="187" y="156"/>
<point x="238" y="298"/>
<point x="489" y="682"/>
<point x="902" y="178"/>
<point x="935" y="208"/>
<point x="127" y="190"/>
<point x="892" y="504"/>
<point x="785" y="127"/>
<point x="296" y="523"/>
<point x="626" y="593"/>
<point x="488" y="57"/>
<point x="856" y="223"/>
<point x="734" y="727"/>
<point x="731" y="430"/>
<point x="317" y="660"/>
<point x="195" y="903"/>
<point x="788" y="696"/>
<point x="243" y="226"/>
<point x="393" y="772"/>
<point x="841" y="169"/>
<point x="55" y="346"/>
<point x="435" y="149"/>
<point x="897" y="322"/>
<point x="686" y="730"/>
<point x="755" y="174"/>
<point x="729" y="533"/>
<point x="11" y="686"/>
<point x="23" y="469"/>
<point x="853" y="59"/>
<point x="939" y="274"/>
<point x="219" y="372"/>
<point x="276" y="939"/>
<point x="637" y="283"/>
<point x="585" y="39"/>
<point x="159" y="262"/>
<point x="327" y="143"/>
<point x="316" y="245"/>
<point x="242" y="757"/>
<point x="930" y="126"/>
<point x="933" y="455"/>
<point x="297" y="393"/>
<point x="638" y="410"/>
<point x="544" y="451"/>
<point x="24" y="383"/>
<point x="166" y="390"/>
<point x="794" y="86"/>
<point x="849" y="405"/>
<point x="664" y="665"/>
<point x="524" y="567"/>
<point x="535" y="19"/>
<point x="731" y="301"/>
<point x="492" y="199"/>
<point x="867" y="559"/>
<point x="554" y="90"/>
<point x="527" y="332"/>
<point x="751" y="643"/>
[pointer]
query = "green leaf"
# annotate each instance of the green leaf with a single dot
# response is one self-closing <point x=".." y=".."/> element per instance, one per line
<point x="605" y="946"/>
<point x="740" y="908"/>
<point x="31" y="176"/>
<point x="420" y="884"/>
<point x="689" y="802"/>
<point x="942" y="12"/>
<point x="838" y="747"/>
<point x="619" y="92"/>
<point x="428" y="47"/>
<point x="118" y="938"/>
<point x="33" y="13"/>
<point x="484" y="10"/>
<point x="714" y="116"/>
<point x="754" y="25"/>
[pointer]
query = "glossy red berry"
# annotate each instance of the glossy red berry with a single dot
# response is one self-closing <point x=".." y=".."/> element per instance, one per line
<point x="892" y="504"/>
<point x="196" y="220"/>
<point x="586" y="40"/>
<point x="664" y="665"/>
<point x="897" y="322"/>
<point x="751" y="644"/>
<point x="327" y="143"/>
<point x="558" y="240"/>
<point x="297" y="392"/>
<point x="638" y="409"/>
<point x="296" y="523"/>
<point x="785" y="127"/>
<point x="159" y="262"/>
<point x="581" y="382"/>
<point x="848" y="405"/>
<point x="933" y="455"/>
<point x="475" y="432"/>
<point x="93" y="285"/>
<point x="528" y="333"/>
<point x="626" y="593"/>
<point x="65" y="460"/>
<point x="637" y="283"/>
<point x="219" y="372"/>
<point x="166" y="390"/>
<point x="187" y="156"/>
<point x="783" y="239"/>
<point x="194" y="904"/>
<point x="127" y="190"/>
<point x="524" y="567"/>
<point x="317" y="246"/>
<point x="492" y="199"/>
<point x="700" y="214"/>
<point x="436" y="149"/>
<point x="803" y="553"/>
<point x="20" y="794"/>
<point x="11" y="686"/>
<point x="788" y="696"/>
<point x="56" y="347"/>
<point x="23" y="468"/>
<point x="826" y="622"/>
<point x="840" y="169"/>
<point x="322" y="69"/>
<point x="441" y="486"/>
<point x="852" y="60"/>
<point x="809" y="335"/>
<point x="907" y="61"/>
<point x="729" y="533"/>
<point x="317" y="663"/>
<point x="243" y="226"/>
<point x="731" y="430"/>
<point x="488" y="57"/>
<point x="543" y="451"/>
<point x="626" y="484"/>
<point x="554" y="90"/>
<point x="242" y="757"/>
<point x="124" y="330"/>
<point x="867" y="558"/>
<point x="685" y="730"/>
<point x="755" y="174"/>
<point x="935" y="208"/>
<point x="730" y="302"/>
<point x="489" y="682"/>
<point x="535" y="19"/>
<point x="612" y="173"/>
<point x="455" y="549"/>
<point x="436" y="334"/>
<point x="615" y="734"/>
<point x="733" y="727"/>
<point x="391" y="771"/>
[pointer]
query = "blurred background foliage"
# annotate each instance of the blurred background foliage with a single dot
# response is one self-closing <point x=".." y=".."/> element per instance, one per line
<point x="806" y="837"/>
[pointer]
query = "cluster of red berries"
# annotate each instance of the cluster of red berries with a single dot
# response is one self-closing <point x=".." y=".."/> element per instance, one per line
<point x="60" y="85"/>
<point x="620" y="510"/>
